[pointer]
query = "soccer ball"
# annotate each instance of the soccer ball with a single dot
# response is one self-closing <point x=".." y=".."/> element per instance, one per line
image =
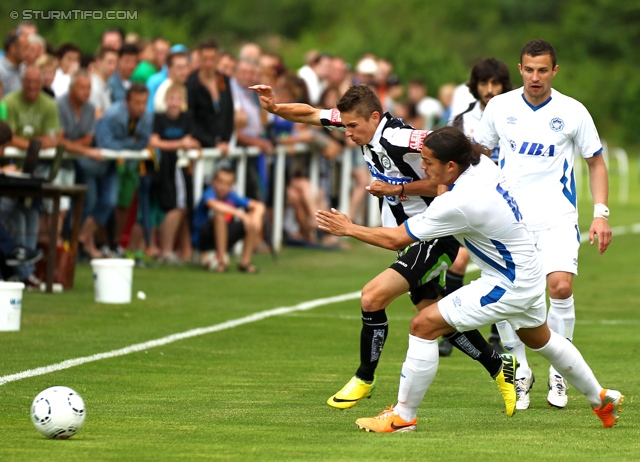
<point x="58" y="412"/>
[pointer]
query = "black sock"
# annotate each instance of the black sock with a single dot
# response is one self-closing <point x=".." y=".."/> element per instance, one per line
<point x="494" y="335"/>
<point x="473" y="344"/>
<point x="453" y="281"/>
<point x="372" y="337"/>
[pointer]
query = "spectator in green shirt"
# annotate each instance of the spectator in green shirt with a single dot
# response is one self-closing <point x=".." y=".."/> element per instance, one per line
<point x="145" y="67"/>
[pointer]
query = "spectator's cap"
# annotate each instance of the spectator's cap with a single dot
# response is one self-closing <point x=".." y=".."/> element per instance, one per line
<point x="367" y="66"/>
<point x="179" y="48"/>
<point x="5" y="132"/>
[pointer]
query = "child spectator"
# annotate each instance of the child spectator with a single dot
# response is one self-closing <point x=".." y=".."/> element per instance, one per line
<point x="222" y="218"/>
<point x="172" y="192"/>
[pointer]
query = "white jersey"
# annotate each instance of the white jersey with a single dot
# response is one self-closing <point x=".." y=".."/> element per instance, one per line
<point x="479" y="212"/>
<point x="393" y="156"/>
<point x="537" y="146"/>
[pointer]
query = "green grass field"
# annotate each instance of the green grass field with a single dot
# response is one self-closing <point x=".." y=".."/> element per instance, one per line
<point x="257" y="391"/>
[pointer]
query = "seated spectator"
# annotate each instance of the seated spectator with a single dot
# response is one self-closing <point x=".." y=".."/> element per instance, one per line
<point x="222" y="218"/>
<point x="172" y="131"/>
<point x="104" y="66"/>
<point x="210" y="101"/>
<point x="120" y="82"/>
<point x="12" y="254"/>
<point x="30" y="114"/>
<point x="126" y="125"/>
<point x="68" y="56"/>
<point x="48" y="65"/>
<point x="10" y="63"/>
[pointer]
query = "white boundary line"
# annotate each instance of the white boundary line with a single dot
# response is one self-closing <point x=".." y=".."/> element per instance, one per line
<point x="304" y="306"/>
<point x="180" y="336"/>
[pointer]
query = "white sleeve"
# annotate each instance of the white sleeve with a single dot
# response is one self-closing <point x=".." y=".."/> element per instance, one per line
<point x="486" y="134"/>
<point x="442" y="218"/>
<point x="586" y="138"/>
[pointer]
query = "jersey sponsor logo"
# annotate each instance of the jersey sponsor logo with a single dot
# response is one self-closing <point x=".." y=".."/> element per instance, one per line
<point x="416" y="139"/>
<point x="511" y="120"/>
<point x="537" y="149"/>
<point x="335" y="116"/>
<point x="556" y="124"/>
<point x="401" y="263"/>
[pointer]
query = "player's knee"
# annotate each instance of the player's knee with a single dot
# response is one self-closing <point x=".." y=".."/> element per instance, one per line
<point x="560" y="289"/>
<point x="371" y="299"/>
<point x="422" y="328"/>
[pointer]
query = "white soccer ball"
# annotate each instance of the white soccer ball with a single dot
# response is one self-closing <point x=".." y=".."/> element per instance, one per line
<point x="58" y="412"/>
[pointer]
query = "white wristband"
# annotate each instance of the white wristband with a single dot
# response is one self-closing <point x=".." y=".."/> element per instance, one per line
<point x="600" y="211"/>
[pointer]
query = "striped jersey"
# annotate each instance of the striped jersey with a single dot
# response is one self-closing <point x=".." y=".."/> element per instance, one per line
<point x="393" y="156"/>
<point x="480" y="213"/>
<point x="537" y="146"/>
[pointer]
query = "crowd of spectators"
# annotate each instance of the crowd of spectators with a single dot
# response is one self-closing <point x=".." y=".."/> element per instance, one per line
<point x="135" y="93"/>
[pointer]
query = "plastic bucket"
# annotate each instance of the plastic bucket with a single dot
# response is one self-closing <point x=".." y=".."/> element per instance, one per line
<point x="10" y="305"/>
<point x="112" y="279"/>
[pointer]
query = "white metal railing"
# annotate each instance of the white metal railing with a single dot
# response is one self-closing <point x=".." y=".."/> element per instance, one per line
<point x="200" y="156"/>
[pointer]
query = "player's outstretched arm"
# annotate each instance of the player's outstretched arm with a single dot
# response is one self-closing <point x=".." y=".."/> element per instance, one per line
<point x="339" y="224"/>
<point x="294" y="112"/>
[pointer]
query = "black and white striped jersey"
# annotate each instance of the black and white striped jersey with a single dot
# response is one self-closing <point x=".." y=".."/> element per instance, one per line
<point x="393" y="156"/>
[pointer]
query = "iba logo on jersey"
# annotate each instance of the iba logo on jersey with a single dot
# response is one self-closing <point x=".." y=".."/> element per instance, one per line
<point x="556" y="124"/>
<point x="416" y="139"/>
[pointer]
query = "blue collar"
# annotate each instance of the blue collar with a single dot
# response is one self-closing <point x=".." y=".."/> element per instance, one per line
<point x="539" y="106"/>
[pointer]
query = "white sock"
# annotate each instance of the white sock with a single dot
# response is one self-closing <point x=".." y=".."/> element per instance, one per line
<point x="566" y="358"/>
<point x="514" y="345"/>
<point x="561" y="319"/>
<point x="418" y="371"/>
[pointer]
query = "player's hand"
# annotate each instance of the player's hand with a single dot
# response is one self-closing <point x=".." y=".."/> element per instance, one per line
<point x="380" y="189"/>
<point x="600" y="227"/>
<point x="333" y="222"/>
<point x="265" y="94"/>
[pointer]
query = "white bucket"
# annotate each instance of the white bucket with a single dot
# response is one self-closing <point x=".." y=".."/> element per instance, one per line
<point x="112" y="279"/>
<point x="10" y="305"/>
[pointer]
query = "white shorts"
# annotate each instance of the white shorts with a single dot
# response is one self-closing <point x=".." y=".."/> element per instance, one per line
<point x="482" y="303"/>
<point x="558" y="247"/>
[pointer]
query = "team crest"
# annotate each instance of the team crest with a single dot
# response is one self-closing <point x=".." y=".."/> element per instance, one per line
<point x="556" y="124"/>
<point x="386" y="162"/>
<point x="512" y="145"/>
<point x="511" y="120"/>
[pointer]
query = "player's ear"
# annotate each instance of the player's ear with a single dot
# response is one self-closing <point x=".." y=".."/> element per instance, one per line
<point x="555" y="69"/>
<point x="375" y="117"/>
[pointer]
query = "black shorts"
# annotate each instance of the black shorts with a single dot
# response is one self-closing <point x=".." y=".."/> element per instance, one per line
<point x="424" y="265"/>
<point x="208" y="236"/>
